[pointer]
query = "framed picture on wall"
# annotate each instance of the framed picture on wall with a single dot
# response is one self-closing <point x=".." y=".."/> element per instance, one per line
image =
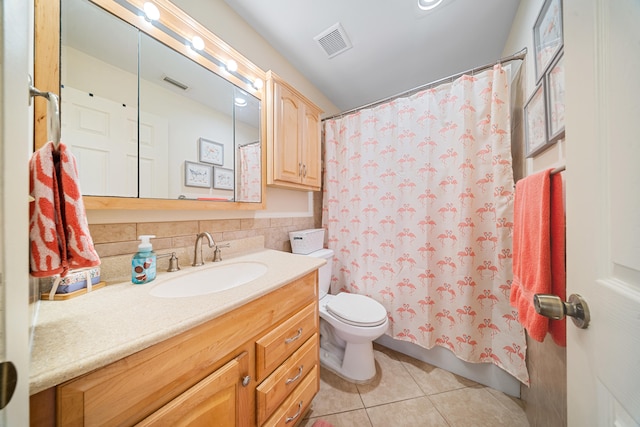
<point x="211" y="152"/>
<point x="197" y="175"/>
<point x="223" y="178"/>
<point x="535" y="122"/>
<point x="555" y="99"/>
<point x="547" y="35"/>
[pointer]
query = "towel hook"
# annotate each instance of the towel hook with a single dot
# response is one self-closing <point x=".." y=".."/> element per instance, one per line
<point x="52" y="110"/>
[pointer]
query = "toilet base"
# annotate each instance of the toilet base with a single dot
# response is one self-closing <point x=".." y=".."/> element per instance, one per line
<point x="354" y="363"/>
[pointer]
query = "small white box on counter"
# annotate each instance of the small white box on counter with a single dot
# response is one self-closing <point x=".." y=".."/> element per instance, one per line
<point x="306" y="241"/>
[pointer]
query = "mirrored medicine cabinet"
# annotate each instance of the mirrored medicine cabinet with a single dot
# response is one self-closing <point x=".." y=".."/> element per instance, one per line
<point x="159" y="113"/>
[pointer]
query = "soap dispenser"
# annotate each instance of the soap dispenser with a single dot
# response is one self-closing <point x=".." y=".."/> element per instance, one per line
<point x="143" y="263"/>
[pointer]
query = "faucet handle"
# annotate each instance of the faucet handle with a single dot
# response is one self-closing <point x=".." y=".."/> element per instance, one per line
<point x="173" y="263"/>
<point x="217" y="253"/>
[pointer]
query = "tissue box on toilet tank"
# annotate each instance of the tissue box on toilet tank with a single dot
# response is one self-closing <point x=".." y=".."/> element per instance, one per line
<point x="306" y="241"/>
<point x="76" y="279"/>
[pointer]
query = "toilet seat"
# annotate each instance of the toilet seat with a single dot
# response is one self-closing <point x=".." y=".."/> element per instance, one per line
<point x="357" y="310"/>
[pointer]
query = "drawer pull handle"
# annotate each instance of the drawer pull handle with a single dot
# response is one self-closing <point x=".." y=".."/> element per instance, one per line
<point x="296" y="415"/>
<point x="290" y="380"/>
<point x="292" y="339"/>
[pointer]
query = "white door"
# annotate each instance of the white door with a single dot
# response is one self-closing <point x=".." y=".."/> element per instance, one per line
<point x="15" y="146"/>
<point x="103" y="136"/>
<point x="602" y="59"/>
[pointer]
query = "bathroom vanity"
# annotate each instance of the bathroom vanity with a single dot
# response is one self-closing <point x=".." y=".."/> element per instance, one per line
<point x="247" y="356"/>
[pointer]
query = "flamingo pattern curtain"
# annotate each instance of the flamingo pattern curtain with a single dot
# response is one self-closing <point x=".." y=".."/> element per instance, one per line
<point x="250" y="184"/>
<point x="418" y="208"/>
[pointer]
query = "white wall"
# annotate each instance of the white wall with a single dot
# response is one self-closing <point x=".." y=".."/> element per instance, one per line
<point x="521" y="35"/>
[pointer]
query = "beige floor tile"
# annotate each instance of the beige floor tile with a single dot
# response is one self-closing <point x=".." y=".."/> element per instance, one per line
<point x="433" y="380"/>
<point x="356" y="418"/>
<point x="418" y="412"/>
<point x="471" y="407"/>
<point x="392" y="382"/>
<point x="335" y="395"/>
<point x="512" y="404"/>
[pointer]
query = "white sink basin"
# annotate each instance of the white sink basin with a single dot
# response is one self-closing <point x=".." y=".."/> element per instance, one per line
<point x="207" y="280"/>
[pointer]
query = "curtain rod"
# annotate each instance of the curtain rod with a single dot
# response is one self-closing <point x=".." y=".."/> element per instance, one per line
<point x="515" y="57"/>
<point x="248" y="143"/>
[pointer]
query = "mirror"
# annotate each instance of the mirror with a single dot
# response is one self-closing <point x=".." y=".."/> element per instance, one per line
<point x="145" y="120"/>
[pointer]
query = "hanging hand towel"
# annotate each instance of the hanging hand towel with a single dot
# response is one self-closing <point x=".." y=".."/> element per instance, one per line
<point x="58" y="228"/>
<point x="558" y="328"/>
<point x="531" y="250"/>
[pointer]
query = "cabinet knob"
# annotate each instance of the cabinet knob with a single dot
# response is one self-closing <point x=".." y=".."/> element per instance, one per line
<point x="246" y="380"/>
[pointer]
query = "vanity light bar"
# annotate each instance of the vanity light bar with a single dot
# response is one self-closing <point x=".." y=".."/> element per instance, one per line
<point x="256" y="84"/>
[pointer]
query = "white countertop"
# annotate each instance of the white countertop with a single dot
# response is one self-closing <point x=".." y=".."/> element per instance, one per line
<point x="81" y="334"/>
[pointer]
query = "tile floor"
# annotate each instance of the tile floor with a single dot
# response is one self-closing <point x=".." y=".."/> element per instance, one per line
<point x="408" y="392"/>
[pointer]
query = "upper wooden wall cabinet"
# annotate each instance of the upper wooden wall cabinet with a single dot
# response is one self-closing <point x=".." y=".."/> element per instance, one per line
<point x="293" y="138"/>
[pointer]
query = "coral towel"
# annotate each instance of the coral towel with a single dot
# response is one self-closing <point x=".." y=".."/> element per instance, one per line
<point x="533" y="234"/>
<point x="58" y="230"/>
<point x="558" y="328"/>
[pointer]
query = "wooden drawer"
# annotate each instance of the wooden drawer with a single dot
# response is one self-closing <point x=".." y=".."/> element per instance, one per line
<point x="286" y="378"/>
<point x="294" y="407"/>
<point x="273" y="348"/>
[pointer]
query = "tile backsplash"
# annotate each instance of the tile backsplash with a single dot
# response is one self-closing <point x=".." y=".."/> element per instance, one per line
<point x="116" y="243"/>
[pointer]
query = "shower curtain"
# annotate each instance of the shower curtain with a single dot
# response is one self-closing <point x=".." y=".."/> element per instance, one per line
<point x="250" y="173"/>
<point x="418" y="208"/>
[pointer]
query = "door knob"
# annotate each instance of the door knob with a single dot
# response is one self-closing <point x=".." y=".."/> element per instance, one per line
<point x="553" y="307"/>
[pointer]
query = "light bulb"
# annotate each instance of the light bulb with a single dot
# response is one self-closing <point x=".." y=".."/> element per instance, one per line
<point x="231" y="66"/>
<point x="258" y="83"/>
<point x="151" y="11"/>
<point x="197" y="43"/>
<point x="240" y="102"/>
<point x="428" y="4"/>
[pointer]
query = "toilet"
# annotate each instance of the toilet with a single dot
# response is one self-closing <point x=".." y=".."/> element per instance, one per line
<point x="348" y="325"/>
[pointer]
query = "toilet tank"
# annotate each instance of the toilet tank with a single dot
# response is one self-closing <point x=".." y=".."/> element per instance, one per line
<point x="324" y="272"/>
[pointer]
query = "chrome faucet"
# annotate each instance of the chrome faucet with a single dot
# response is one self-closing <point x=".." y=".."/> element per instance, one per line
<point x="198" y="260"/>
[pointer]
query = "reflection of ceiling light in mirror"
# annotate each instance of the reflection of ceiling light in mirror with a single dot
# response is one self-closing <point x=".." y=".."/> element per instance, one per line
<point x="240" y="102"/>
<point x="197" y="43"/>
<point x="428" y="4"/>
<point x="258" y="83"/>
<point x="151" y="11"/>
<point x="231" y="66"/>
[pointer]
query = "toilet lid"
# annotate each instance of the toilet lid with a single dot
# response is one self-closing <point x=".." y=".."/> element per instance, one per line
<point x="357" y="310"/>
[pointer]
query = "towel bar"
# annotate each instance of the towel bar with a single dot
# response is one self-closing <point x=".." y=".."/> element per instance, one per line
<point x="54" y="107"/>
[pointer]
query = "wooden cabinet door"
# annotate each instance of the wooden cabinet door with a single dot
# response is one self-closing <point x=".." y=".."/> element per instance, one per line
<point x="311" y="172"/>
<point x="287" y="134"/>
<point x="214" y="401"/>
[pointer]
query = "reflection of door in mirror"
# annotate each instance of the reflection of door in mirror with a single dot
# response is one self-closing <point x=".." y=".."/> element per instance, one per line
<point x="134" y="111"/>
<point x="99" y="98"/>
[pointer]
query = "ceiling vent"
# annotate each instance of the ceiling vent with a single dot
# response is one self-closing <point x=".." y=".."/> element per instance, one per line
<point x="175" y="82"/>
<point x="333" y="40"/>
